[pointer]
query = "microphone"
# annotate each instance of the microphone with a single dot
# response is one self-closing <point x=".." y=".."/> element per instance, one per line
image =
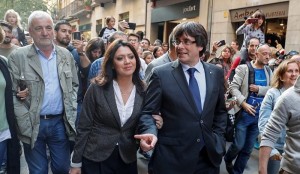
<point x="233" y="66"/>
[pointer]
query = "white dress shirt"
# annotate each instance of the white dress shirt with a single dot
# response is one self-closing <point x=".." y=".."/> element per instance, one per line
<point x="124" y="109"/>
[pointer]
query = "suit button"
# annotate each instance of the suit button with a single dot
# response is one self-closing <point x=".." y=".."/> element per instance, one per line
<point x="201" y="121"/>
<point x="198" y="140"/>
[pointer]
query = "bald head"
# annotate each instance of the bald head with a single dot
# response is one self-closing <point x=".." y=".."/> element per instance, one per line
<point x="262" y="55"/>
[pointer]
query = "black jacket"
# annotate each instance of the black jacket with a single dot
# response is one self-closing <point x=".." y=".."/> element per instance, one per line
<point x="13" y="144"/>
<point x="21" y="37"/>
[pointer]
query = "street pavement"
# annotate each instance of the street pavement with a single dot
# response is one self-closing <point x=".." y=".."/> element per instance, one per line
<point x="252" y="166"/>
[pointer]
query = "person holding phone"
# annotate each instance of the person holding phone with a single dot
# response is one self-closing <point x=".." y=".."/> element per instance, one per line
<point x="107" y="31"/>
<point x="224" y="60"/>
<point x="253" y="27"/>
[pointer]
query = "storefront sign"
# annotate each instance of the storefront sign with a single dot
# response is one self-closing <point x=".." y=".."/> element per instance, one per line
<point x="188" y="9"/>
<point x="277" y="10"/>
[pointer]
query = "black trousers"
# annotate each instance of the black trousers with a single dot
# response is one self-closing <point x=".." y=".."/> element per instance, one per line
<point x="204" y="165"/>
<point x="113" y="165"/>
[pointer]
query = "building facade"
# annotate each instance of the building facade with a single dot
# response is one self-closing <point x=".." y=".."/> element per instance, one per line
<point x="156" y="18"/>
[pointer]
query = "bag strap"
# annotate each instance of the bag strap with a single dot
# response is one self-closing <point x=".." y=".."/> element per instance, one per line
<point x="251" y="79"/>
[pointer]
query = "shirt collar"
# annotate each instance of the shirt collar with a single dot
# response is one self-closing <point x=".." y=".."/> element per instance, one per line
<point x="41" y="53"/>
<point x="198" y="66"/>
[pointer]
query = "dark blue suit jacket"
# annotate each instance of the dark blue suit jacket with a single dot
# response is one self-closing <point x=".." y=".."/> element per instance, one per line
<point x="178" y="146"/>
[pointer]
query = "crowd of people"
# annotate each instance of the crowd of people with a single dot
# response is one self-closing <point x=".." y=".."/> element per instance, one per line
<point x="90" y="107"/>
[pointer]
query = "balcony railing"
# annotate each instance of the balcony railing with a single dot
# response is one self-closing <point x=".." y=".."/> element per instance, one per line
<point x="71" y="9"/>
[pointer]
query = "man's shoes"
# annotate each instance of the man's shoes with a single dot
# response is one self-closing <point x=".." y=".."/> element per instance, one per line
<point x="229" y="167"/>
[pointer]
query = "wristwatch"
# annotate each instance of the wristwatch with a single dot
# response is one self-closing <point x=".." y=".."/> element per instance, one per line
<point x="81" y="53"/>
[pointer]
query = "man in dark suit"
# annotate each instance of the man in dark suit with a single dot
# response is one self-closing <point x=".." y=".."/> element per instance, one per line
<point x="192" y="138"/>
<point x="165" y="58"/>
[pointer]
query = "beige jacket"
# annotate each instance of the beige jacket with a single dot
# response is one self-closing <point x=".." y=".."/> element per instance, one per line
<point x="239" y="86"/>
<point x="24" y="61"/>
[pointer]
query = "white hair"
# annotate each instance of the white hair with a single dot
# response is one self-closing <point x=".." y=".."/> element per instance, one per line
<point x="38" y="15"/>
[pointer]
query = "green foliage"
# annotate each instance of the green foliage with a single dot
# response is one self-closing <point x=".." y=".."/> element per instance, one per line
<point x="23" y="7"/>
<point x="88" y="2"/>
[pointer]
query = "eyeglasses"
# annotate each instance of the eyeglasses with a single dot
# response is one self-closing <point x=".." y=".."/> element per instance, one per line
<point x="184" y="42"/>
<point x="132" y="40"/>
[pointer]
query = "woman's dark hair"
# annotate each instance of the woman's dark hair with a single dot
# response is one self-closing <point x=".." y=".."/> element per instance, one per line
<point x="94" y="44"/>
<point x="155" y="49"/>
<point x="108" y="73"/>
<point x="259" y="14"/>
<point x="231" y="50"/>
<point x="192" y="29"/>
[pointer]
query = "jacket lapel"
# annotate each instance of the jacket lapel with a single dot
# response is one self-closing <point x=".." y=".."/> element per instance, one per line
<point x="34" y="62"/>
<point x="183" y="85"/>
<point x="209" y="85"/>
<point x="138" y="101"/>
<point x="110" y="98"/>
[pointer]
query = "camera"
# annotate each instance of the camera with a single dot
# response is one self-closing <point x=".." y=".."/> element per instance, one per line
<point x="286" y="56"/>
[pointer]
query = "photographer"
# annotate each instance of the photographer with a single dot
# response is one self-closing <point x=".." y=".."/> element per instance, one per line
<point x="253" y="27"/>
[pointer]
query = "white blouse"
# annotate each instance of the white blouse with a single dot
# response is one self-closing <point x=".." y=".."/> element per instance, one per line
<point x="125" y="110"/>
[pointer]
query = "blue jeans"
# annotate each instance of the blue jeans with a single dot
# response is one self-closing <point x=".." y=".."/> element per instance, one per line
<point x="53" y="134"/>
<point x="3" y="147"/>
<point x="246" y="132"/>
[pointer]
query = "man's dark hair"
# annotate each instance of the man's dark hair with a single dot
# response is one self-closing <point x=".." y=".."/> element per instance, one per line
<point x="134" y="35"/>
<point x="59" y="23"/>
<point x="248" y="41"/>
<point x="5" y="24"/>
<point x="171" y="39"/>
<point x="147" y="41"/>
<point x="192" y="29"/>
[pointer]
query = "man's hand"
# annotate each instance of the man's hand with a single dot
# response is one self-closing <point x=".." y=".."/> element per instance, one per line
<point x="123" y="25"/>
<point x="75" y="170"/>
<point x="254" y="88"/>
<point x="248" y="108"/>
<point x="147" y="141"/>
<point x="79" y="45"/>
<point x="22" y="94"/>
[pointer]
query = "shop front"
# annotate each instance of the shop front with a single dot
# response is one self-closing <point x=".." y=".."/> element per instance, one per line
<point x="165" y="17"/>
<point x="276" y="21"/>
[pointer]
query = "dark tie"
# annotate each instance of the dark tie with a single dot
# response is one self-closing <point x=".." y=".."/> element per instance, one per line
<point x="194" y="88"/>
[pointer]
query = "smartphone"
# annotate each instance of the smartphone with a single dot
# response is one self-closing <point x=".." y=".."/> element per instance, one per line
<point x="252" y="20"/>
<point x="76" y="35"/>
<point x="131" y="25"/>
<point x="221" y="43"/>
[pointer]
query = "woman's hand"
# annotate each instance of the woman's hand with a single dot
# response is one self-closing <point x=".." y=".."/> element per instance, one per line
<point x="158" y="120"/>
<point x="75" y="170"/>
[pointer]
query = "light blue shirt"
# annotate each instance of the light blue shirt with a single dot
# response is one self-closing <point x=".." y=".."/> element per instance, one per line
<point x="53" y="100"/>
<point x="200" y="77"/>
